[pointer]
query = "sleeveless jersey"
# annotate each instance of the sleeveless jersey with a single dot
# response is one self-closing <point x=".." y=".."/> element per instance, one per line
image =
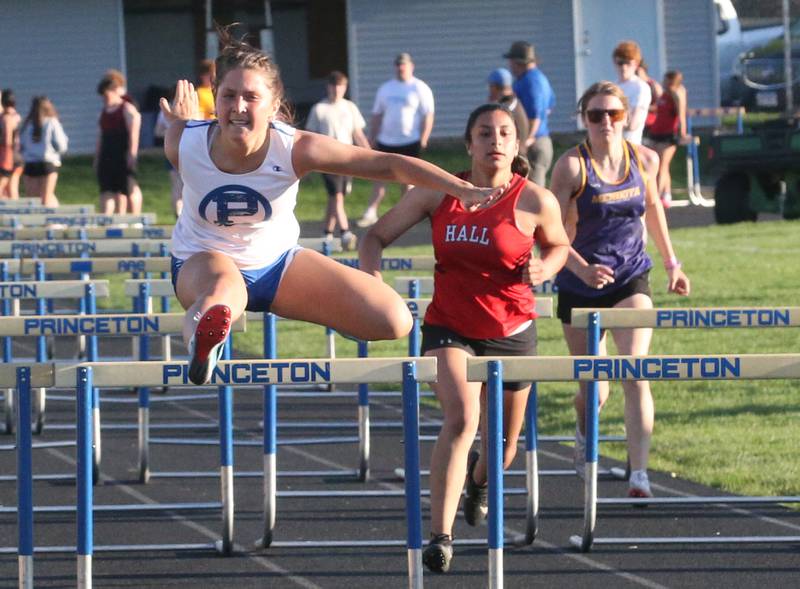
<point x="609" y="228"/>
<point x="478" y="289"/>
<point x="666" y="120"/>
<point x="249" y="217"/>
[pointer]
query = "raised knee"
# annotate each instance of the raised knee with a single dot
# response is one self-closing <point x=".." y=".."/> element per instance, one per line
<point x="397" y="321"/>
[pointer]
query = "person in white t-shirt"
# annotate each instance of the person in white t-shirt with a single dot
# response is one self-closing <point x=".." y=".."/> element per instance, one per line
<point x="235" y="247"/>
<point x="402" y="121"/>
<point x="339" y="118"/>
<point x="627" y="56"/>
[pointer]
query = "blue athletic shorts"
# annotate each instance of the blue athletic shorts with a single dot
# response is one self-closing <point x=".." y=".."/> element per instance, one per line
<point x="262" y="283"/>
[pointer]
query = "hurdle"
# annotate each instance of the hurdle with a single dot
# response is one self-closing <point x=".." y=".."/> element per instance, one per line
<point x="74" y="220"/>
<point x="591" y="368"/>
<point x="86" y="232"/>
<point x="40" y="210"/>
<point x="266" y="373"/>
<point x="80" y="247"/>
<point x="666" y="318"/>
<point x="405" y="284"/>
<point x="14" y="292"/>
<point x="141" y="325"/>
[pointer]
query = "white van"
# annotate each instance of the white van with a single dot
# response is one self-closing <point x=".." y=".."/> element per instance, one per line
<point x="733" y="41"/>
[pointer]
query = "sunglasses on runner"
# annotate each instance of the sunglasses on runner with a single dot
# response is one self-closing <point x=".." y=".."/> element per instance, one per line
<point x="622" y="61"/>
<point x="595" y="115"/>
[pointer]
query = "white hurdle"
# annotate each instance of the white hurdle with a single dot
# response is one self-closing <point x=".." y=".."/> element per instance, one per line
<point x="268" y="373"/>
<point x="73" y="219"/>
<point x="594" y="368"/>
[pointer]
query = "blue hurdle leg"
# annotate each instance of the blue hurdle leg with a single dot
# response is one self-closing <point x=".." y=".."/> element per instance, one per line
<point x="225" y="545"/>
<point x="412" y="474"/>
<point x="363" y="420"/>
<point x="592" y="426"/>
<point x="270" y="436"/>
<point x="532" y="465"/>
<point x="84" y="475"/>
<point x="494" y="393"/>
<point x="24" y="478"/>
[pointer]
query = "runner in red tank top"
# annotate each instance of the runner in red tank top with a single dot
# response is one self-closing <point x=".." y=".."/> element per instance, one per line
<point x="482" y="305"/>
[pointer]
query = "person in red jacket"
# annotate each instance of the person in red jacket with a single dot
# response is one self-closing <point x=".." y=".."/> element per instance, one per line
<point x="482" y="305"/>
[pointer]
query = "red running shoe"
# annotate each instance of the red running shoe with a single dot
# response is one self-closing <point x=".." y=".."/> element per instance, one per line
<point x="208" y="343"/>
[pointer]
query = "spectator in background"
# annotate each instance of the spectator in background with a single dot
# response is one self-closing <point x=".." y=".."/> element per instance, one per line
<point x="339" y="118"/>
<point x="205" y="93"/>
<point x="500" y="91"/>
<point x="402" y="121"/>
<point x="10" y="156"/>
<point x="117" y="150"/>
<point x="627" y="57"/>
<point x="668" y="130"/>
<point x="655" y="93"/>
<point x="536" y="94"/>
<point x="43" y="141"/>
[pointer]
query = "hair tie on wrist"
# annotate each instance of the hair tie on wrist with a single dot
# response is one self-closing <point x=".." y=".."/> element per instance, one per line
<point x="672" y="263"/>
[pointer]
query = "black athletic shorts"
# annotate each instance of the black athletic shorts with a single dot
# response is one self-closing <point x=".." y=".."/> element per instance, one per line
<point x="409" y="149"/>
<point x="520" y="344"/>
<point x="39" y="169"/>
<point x="567" y="301"/>
<point x="335" y="184"/>
<point x="666" y="138"/>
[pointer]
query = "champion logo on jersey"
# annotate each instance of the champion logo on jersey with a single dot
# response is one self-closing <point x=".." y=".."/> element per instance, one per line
<point x="277" y="169"/>
<point x="233" y="204"/>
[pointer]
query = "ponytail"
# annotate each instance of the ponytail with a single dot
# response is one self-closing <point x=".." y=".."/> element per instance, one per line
<point x="520" y="165"/>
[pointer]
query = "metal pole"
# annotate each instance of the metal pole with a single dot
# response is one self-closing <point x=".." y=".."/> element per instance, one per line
<point x="270" y="436"/>
<point x="363" y="420"/>
<point x="144" y="393"/>
<point x="592" y="425"/>
<point x="414" y="336"/>
<point x="531" y="465"/>
<point x="412" y="474"/>
<point x="92" y="356"/>
<point x="226" y="457"/>
<point x="41" y="354"/>
<point x="494" y="392"/>
<point x="787" y="59"/>
<point x="84" y="477"/>
<point x="24" y="479"/>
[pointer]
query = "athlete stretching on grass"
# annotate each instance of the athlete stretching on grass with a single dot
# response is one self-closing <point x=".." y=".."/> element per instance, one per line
<point x="235" y="244"/>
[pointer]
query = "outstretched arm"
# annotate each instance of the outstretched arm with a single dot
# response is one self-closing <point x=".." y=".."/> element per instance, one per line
<point x="317" y="153"/>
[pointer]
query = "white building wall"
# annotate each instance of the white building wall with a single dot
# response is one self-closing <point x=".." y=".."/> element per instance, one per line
<point x="49" y="48"/>
<point x="455" y="44"/>
<point x="691" y="36"/>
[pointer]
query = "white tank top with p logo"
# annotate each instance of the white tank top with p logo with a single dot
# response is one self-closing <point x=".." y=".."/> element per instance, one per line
<point x="249" y="217"/>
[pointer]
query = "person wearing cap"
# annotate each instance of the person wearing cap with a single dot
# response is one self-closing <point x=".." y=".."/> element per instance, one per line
<point x="402" y="121"/>
<point x="500" y="91"/>
<point x="536" y="94"/>
<point x="627" y="57"/>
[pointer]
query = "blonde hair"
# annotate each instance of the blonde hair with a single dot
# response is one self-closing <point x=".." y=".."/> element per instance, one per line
<point x="602" y="88"/>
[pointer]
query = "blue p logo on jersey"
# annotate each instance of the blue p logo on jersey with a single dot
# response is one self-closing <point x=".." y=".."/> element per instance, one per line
<point x="234" y="200"/>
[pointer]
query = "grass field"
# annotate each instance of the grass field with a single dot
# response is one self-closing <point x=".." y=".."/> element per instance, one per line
<point x="738" y="436"/>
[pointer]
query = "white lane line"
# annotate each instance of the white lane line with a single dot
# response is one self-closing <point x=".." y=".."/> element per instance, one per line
<point x="207" y="532"/>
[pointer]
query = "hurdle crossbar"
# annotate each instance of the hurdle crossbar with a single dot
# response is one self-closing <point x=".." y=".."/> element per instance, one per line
<point x="53" y="289"/>
<point x="89" y="265"/>
<point x="31" y="233"/>
<point x="101" y="325"/>
<point x="79" y="247"/>
<point x="73" y="220"/>
<point x="677" y="367"/>
<point x="40" y="210"/>
<point x="397" y="263"/>
<point x="243" y="372"/>
<point x="679" y="318"/>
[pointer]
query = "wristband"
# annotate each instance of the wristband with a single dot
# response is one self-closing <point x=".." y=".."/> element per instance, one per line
<point x="672" y="263"/>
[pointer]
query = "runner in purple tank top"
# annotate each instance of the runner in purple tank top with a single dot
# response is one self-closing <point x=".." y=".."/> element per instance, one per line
<point x="607" y="191"/>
